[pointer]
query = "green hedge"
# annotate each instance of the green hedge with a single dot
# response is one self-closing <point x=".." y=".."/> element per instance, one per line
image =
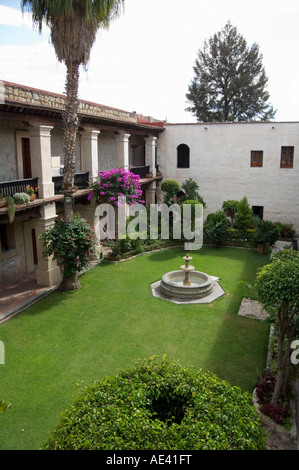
<point x="159" y="405"/>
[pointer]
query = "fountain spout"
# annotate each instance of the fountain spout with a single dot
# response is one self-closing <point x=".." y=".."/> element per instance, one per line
<point x="187" y="269"/>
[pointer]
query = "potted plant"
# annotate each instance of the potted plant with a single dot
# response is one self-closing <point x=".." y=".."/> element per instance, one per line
<point x="3" y="201"/>
<point x="31" y="192"/>
<point x="21" y="198"/>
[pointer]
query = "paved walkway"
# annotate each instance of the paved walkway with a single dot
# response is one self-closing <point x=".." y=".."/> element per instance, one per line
<point x="18" y="294"/>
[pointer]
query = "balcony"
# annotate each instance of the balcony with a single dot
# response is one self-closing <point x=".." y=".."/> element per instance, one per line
<point x="142" y="171"/>
<point x="9" y="188"/>
<point x="81" y="181"/>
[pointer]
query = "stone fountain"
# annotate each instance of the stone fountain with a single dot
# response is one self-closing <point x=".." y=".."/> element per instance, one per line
<point x="187" y="285"/>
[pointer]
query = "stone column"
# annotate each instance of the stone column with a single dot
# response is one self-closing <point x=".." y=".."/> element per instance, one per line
<point x="122" y="150"/>
<point x="89" y="153"/>
<point x="150" y="193"/>
<point x="150" y="153"/>
<point x="40" y="147"/>
<point x="47" y="273"/>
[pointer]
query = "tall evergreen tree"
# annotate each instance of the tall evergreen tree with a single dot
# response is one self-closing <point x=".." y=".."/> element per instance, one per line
<point x="230" y="80"/>
<point x="74" y="25"/>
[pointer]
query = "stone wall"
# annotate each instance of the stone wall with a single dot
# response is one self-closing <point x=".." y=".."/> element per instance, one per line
<point x="40" y="98"/>
<point x="220" y="163"/>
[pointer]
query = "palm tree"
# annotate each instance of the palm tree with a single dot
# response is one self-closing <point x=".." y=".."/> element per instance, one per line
<point x="74" y="25"/>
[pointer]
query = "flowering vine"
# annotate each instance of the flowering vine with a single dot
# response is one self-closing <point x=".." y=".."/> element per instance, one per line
<point x="115" y="183"/>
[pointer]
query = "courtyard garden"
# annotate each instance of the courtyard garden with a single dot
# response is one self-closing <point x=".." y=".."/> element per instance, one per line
<point x="71" y="339"/>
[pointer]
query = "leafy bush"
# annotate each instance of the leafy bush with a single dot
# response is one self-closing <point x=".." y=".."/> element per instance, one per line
<point x="72" y="241"/>
<point x="21" y="198"/>
<point x="159" y="405"/>
<point x="215" y="227"/>
<point x="190" y="188"/>
<point x="275" y="412"/>
<point x="266" y="233"/>
<point x="170" y="186"/>
<point x="264" y="390"/>
<point x="285" y="230"/>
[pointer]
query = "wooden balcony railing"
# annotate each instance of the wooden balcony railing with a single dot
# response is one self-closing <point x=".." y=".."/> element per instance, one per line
<point x="9" y="188"/>
<point x="142" y="171"/>
<point x="81" y="180"/>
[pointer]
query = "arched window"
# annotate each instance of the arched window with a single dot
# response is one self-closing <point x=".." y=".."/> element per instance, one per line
<point x="183" y="156"/>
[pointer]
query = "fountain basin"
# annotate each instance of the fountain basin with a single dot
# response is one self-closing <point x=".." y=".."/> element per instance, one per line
<point x="171" y="285"/>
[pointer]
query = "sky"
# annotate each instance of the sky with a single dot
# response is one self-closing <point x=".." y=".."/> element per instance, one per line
<point x="144" y="62"/>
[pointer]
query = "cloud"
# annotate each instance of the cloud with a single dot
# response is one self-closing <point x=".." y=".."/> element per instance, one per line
<point x="13" y="17"/>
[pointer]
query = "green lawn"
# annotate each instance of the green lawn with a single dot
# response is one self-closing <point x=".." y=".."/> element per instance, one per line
<point x="81" y="336"/>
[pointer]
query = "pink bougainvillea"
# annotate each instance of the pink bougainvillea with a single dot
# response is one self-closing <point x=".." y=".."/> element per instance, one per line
<point x="115" y="183"/>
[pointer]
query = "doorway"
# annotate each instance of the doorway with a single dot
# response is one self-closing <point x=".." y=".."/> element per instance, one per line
<point x="26" y="158"/>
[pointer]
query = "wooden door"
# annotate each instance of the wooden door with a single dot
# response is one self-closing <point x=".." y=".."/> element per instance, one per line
<point x="27" y="173"/>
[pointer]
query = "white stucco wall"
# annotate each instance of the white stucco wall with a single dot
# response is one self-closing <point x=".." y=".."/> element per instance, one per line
<point x="220" y="163"/>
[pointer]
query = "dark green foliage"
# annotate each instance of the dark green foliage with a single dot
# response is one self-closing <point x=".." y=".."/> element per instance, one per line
<point x="159" y="405"/>
<point x="216" y="228"/>
<point x="277" y="286"/>
<point x="73" y="242"/>
<point x="230" y="80"/>
<point x="264" y="391"/>
<point x="191" y="188"/>
<point x="170" y="188"/>
<point x="244" y="216"/>
<point x="267" y="233"/>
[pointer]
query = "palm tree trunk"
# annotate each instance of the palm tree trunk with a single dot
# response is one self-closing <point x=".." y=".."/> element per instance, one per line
<point x="69" y="283"/>
<point x="70" y="135"/>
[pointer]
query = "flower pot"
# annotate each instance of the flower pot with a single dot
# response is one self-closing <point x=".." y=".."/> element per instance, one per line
<point x="3" y="203"/>
<point x="32" y="197"/>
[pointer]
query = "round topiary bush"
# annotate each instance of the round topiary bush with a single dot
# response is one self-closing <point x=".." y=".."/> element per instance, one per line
<point x="170" y="186"/>
<point x="159" y="405"/>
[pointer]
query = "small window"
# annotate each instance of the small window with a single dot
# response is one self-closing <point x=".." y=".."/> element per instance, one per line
<point x="287" y="157"/>
<point x="258" y="211"/>
<point x="257" y="158"/>
<point x="183" y="156"/>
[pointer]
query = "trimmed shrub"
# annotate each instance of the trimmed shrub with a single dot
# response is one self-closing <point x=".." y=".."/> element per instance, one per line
<point x="244" y="215"/>
<point x="170" y="186"/>
<point x="159" y="405"/>
<point x="216" y="228"/>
